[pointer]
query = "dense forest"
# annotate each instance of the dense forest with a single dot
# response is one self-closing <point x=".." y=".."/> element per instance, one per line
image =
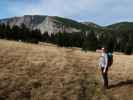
<point x="114" y="40"/>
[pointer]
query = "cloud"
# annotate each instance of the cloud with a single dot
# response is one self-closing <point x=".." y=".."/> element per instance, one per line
<point x="57" y="7"/>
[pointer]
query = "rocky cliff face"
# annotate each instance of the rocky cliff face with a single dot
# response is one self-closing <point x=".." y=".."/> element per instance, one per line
<point x="50" y="24"/>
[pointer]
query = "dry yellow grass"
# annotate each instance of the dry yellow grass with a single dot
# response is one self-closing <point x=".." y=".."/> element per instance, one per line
<point x="48" y="72"/>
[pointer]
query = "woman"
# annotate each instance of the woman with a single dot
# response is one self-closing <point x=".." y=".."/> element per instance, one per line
<point x="104" y="66"/>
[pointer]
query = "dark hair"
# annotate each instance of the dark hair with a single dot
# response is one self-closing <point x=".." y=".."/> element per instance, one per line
<point x="110" y="50"/>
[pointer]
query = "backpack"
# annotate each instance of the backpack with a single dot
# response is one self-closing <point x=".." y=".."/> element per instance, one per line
<point x="110" y="59"/>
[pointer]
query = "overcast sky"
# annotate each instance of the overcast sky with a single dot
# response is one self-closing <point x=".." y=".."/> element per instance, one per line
<point x="102" y="12"/>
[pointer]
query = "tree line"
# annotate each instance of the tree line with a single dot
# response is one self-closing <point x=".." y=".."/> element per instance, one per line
<point x="19" y="33"/>
<point x="87" y="40"/>
<point x="77" y="39"/>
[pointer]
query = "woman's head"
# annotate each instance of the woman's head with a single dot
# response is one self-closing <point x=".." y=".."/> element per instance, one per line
<point x="104" y="49"/>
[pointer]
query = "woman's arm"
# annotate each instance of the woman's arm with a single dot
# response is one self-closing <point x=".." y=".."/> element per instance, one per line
<point x="106" y="63"/>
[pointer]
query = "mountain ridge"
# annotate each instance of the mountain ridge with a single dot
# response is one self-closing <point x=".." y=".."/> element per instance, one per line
<point x="50" y="24"/>
<point x="56" y="24"/>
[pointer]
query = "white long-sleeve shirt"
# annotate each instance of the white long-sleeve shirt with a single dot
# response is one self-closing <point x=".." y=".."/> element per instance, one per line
<point x="103" y="60"/>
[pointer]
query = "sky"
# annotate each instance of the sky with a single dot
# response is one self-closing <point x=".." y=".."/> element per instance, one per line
<point x="102" y="12"/>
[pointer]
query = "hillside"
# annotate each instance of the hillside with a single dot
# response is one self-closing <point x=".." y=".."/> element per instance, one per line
<point x="91" y="24"/>
<point x="56" y="24"/>
<point x="48" y="72"/>
<point x="121" y="26"/>
<point x="50" y="24"/>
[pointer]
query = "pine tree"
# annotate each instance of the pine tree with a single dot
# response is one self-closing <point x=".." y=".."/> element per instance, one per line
<point x="90" y="41"/>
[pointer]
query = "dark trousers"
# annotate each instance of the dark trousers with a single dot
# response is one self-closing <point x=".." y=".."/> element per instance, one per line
<point x="105" y="77"/>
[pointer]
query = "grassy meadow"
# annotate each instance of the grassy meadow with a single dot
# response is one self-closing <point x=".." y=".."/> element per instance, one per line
<point x="49" y="72"/>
